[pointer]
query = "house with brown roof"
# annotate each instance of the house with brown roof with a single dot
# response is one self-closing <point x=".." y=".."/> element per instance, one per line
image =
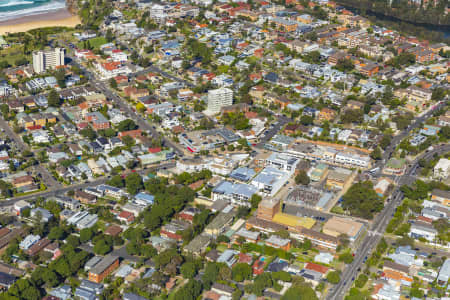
<point x="113" y="230"/>
<point x="16" y="105"/>
<point x="291" y="129"/>
<point x="326" y="114"/>
<point x="319" y="239"/>
<point x="84" y="197"/>
<point x="37" y="247"/>
<point x="22" y="181"/>
<point x="390" y="265"/>
<point x="317" y="268"/>
<point x="354" y="105"/>
<point x="136" y="133"/>
<point x="135" y="93"/>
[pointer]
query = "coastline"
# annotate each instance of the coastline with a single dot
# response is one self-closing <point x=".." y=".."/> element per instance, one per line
<point x="60" y="17"/>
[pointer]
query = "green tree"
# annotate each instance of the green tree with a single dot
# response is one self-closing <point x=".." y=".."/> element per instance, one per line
<point x="188" y="270"/>
<point x="126" y="125"/>
<point x="56" y="233"/>
<point x="346" y="257"/>
<point x="254" y="200"/>
<point x="333" y="277"/>
<point x="361" y="281"/>
<point x="352" y="116"/>
<point x="73" y="240"/>
<point x="300" y="292"/>
<point x="117" y="181"/>
<point x="302" y="178"/>
<point x="385" y="141"/>
<point x="134" y="183"/>
<point x="222" y="239"/>
<point x="241" y="272"/>
<point x="416" y="292"/>
<point x="88" y="133"/>
<point x="191" y="290"/>
<point x="362" y="200"/>
<point x="113" y="83"/>
<point x="128" y="141"/>
<point x="86" y="235"/>
<point x="102" y="247"/>
<point x="345" y="65"/>
<point x="306" y="120"/>
<point x="53" y="99"/>
<point x="376" y="154"/>
<point x="45" y="276"/>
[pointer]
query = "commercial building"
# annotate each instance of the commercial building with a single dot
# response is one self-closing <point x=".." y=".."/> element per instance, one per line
<point x="268" y="208"/>
<point x="444" y="273"/>
<point x="395" y="166"/>
<point x="332" y="153"/>
<point x="236" y="193"/>
<point x="441" y="196"/>
<point x="338" y="177"/>
<point x="101" y="270"/>
<point x="219" y="98"/>
<point x="442" y="169"/>
<point x="270" y="180"/>
<point x="83" y="220"/>
<point x="319" y="239"/>
<point x="336" y="226"/>
<point x="45" y="60"/>
<point x="207" y="140"/>
<point x="309" y="197"/>
<point x="282" y="161"/>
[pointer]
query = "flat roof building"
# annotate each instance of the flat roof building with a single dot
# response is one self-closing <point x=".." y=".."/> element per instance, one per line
<point x="268" y="208"/>
<point x="102" y="269"/>
<point x="236" y="193"/>
<point x="219" y="223"/>
<point x="219" y="98"/>
<point x="270" y="180"/>
<point x="336" y="226"/>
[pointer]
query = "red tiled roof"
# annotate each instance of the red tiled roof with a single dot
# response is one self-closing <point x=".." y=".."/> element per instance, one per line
<point x="316" y="267"/>
<point x="126" y="215"/>
<point x="110" y="66"/>
<point x="154" y="150"/>
<point x="34" y="127"/>
<point x="424" y="219"/>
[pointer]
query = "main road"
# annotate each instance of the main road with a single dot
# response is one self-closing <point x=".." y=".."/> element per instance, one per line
<point x="378" y="227"/>
<point x="62" y="190"/>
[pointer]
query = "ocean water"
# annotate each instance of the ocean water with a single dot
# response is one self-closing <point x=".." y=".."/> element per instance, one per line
<point x="13" y="9"/>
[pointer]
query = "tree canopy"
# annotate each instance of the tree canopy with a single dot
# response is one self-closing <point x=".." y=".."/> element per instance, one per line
<point x="362" y="200"/>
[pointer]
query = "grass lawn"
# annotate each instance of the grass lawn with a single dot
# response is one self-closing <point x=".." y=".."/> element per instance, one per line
<point x="95" y="42"/>
<point x="67" y="36"/>
<point x="12" y="54"/>
<point x="221" y="248"/>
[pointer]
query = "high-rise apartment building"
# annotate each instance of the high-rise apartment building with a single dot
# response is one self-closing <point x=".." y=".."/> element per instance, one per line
<point x="219" y="98"/>
<point x="48" y="59"/>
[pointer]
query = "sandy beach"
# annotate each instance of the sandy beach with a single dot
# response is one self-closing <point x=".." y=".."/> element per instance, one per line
<point x="61" y="17"/>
